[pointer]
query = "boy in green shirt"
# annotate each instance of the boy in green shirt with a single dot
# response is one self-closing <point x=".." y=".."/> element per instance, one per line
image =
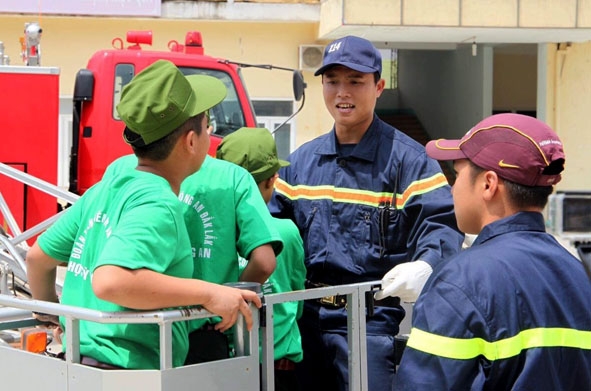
<point x="255" y="150"/>
<point x="125" y="242"/>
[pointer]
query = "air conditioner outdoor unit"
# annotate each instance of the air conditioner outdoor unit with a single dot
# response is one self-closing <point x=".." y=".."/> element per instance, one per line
<point x="311" y="57"/>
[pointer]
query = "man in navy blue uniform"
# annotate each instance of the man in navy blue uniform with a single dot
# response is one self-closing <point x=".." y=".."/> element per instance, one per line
<point x="512" y="312"/>
<point x="370" y="205"/>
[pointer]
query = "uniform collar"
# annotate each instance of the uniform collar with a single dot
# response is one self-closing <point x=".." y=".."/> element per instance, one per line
<point x="521" y="221"/>
<point x="365" y="150"/>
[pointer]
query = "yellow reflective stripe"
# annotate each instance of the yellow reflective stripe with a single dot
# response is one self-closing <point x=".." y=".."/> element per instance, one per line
<point x="337" y="194"/>
<point x="420" y="187"/>
<point x="356" y="196"/>
<point x="465" y="349"/>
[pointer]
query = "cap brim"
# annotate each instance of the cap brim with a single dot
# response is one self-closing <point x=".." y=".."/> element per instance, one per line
<point x="209" y="91"/>
<point x="445" y="150"/>
<point x="352" y="65"/>
<point x="284" y="163"/>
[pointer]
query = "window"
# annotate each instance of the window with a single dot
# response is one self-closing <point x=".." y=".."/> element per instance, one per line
<point x="272" y="113"/>
<point x="123" y="75"/>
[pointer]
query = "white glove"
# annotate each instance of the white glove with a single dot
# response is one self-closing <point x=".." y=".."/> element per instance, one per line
<point x="405" y="281"/>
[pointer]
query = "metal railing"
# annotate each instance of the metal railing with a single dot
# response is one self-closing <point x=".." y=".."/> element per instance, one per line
<point x="16" y="312"/>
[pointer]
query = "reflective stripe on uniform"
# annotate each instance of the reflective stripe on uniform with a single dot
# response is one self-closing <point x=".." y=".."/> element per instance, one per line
<point x="355" y="196"/>
<point x="465" y="349"/>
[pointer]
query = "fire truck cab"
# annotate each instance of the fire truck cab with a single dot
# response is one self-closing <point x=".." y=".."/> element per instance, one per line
<point x="97" y="128"/>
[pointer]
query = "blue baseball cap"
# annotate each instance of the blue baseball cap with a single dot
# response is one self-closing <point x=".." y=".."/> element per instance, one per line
<point x="353" y="52"/>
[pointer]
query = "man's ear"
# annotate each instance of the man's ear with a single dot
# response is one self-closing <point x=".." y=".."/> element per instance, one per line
<point x="270" y="183"/>
<point x="490" y="184"/>
<point x="189" y="141"/>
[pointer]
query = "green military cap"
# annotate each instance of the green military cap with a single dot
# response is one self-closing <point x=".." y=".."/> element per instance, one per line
<point x="160" y="98"/>
<point x="254" y="149"/>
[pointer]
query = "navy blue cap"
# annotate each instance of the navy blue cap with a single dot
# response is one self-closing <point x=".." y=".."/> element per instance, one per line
<point x="353" y="52"/>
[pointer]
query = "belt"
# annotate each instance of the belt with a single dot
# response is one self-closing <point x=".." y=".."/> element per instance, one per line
<point x="285" y="364"/>
<point x="91" y="362"/>
<point x="340" y="301"/>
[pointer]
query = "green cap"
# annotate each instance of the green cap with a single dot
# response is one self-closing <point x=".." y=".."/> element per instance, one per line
<point x="160" y="98"/>
<point x="254" y="149"/>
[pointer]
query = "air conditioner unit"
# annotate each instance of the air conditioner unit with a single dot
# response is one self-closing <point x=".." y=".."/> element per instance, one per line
<point x="311" y="57"/>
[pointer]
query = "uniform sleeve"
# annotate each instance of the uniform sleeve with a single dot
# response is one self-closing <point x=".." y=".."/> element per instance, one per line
<point x="253" y="219"/>
<point x="57" y="241"/>
<point x="425" y="198"/>
<point x="447" y="330"/>
<point x="281" y="204"/>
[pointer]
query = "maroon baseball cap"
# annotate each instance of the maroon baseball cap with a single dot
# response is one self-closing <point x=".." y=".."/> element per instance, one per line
<point x="517" y="147"/>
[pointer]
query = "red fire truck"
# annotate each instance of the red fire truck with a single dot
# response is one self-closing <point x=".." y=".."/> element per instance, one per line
<point x="30" y="126"/>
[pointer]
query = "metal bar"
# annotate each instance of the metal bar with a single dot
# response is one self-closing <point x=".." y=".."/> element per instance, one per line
<point x="253" y="335"/>
<point x="4" y="270"/>
<point x="134" y="317"/>
<point x="353" y="339"/>
<point x="37" y="229"/>
<point x="8" y="216"/>
<point x="72" y="340"/>
<point x="362" y="339"/>
<point x="268" y="350"/>
<point x="317" y="293"/>
<point x="165" y="345"/>
<point x="37" y="183"/>
<point x="16" y="257"/>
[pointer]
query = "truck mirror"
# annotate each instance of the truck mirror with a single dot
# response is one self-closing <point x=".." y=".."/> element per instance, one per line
<point x="83" y="86"/>
<point x="298" y="85"/>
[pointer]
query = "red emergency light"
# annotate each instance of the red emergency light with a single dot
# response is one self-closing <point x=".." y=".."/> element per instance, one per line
<point x="194" y="43"/>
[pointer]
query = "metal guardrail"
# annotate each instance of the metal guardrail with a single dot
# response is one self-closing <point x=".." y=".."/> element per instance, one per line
<point x="73" y="315"/>
<point x="356" y="329"/>
<point x="19" y="310"/>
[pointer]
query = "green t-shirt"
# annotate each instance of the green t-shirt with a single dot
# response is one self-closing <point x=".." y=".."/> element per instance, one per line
<point x="289" y="275"/>
<point x="226" y="217"/>
<point x="130" y="219"/>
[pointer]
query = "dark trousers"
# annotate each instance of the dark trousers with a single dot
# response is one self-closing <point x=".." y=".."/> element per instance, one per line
<point x="207" y="345"/>
<point x="326" y="357"/>
<point x="286" y="380"/>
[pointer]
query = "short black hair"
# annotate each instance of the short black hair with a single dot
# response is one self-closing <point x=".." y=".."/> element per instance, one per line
<point x="161" y="149"/>
<point x="521" y="196"/>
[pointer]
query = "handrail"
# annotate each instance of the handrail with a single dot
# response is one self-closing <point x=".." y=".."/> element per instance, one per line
<point x="356" y="329"/>
<point x="164" y="318"/>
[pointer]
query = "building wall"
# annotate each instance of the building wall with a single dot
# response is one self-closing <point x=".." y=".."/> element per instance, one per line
<point x="568" y="102"/>
<point x="457" y="13"/>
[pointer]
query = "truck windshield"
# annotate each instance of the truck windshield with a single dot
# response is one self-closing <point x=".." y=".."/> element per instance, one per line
<point x="227" y="116"/>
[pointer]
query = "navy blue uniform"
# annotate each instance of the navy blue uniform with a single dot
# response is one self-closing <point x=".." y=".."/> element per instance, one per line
<point x="360" y="214"/>
<point x="513" y="312"/>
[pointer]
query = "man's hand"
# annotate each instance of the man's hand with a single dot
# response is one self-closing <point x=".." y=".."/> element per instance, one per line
<point x="52" y="320"/>
<point x="227" y="302"/>
<point x="405" y="281"/>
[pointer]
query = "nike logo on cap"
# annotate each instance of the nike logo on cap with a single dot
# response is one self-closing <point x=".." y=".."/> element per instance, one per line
<point x="506" y="165"/>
